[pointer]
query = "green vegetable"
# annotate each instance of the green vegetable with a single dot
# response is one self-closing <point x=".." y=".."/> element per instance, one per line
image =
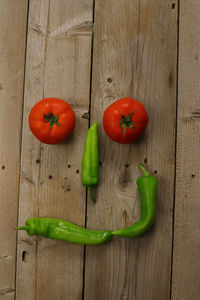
<point x="62" y="230"/>
<point x="147" y="186"/>
<point x="90" y="160"/>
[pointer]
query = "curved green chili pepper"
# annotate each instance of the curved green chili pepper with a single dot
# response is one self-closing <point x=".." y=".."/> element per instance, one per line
<point x="62" y="230"/>
<point x="90" y="160"/>
<point x="147" y="186"/>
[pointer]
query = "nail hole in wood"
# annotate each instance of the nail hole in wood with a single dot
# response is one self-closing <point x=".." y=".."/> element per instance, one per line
<point x="173" y="5"/>
<point x="37" y="161"/>
<point x="50" y="176"/>
<point x="193" y="175"/>
<point x="85" y="116"/>
<point x="100" y="163"/>
<point x="69" y="166"/>
<point x="145" y="160"/>
<point x="69" y="188"/>
<point x="126" y="166"/>
<point x="109" y="79"/>
<point x="155" y="171"/>
<point x="3" y="167"/>
<point x="77" y="171"/>
<point x="24" y="254"/>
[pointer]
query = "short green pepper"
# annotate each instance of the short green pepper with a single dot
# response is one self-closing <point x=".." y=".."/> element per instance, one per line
<point x="90" y="160"/>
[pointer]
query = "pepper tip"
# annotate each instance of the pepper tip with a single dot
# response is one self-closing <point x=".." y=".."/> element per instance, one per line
<point x="91" y="194"/>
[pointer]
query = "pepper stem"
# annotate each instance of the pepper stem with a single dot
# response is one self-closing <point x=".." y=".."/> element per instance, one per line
<point x="142" y="168"/>
<point x="51" y="119"/>
<point x="25" y="227"/>
<point x="91" y="194"/>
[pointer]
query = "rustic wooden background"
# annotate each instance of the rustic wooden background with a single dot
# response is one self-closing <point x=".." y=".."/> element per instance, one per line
<point x="90" y="53"/>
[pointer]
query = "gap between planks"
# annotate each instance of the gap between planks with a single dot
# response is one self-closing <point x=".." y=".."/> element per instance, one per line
<point x="90" y="101"/>
<point x="175" y="158"/>
<point x="25" y="54"/>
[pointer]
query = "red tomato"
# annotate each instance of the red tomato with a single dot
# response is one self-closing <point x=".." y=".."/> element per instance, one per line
<point x="125" y="120"/>
<point x="52" y="120"/>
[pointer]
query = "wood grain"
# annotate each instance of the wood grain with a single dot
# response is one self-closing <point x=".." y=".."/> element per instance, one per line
<point x="58" y="65"/>
<point x="13" y="17"/>
<point x="135" y="54"/>
<point x="186" y="264"/>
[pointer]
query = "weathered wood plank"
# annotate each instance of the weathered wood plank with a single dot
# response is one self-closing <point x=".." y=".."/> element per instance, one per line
<point x="58" y="65"/>
<point x="186" y="264"/>
<point x="134" y="55"/>
<point x="13" y="18"/>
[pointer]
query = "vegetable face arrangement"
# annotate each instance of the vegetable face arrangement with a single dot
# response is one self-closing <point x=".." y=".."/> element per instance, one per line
<point x="124" y="121"/>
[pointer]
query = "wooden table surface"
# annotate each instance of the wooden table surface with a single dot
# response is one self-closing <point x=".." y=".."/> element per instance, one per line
<point x="91" y="53"/>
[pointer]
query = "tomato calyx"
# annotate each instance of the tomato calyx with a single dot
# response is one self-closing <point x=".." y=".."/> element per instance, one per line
<point x="127" y="122"/>
<point x="51" y="119"/>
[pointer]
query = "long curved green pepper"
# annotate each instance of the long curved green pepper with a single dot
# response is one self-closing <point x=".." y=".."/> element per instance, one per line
<point x="62" y="230"/>
<point x="58" y="229"/>
<point x="90" y="160"/>
<point x="147" y="186"/>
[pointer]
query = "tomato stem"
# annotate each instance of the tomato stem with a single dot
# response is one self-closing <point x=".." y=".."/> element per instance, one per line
<point x="127" y="122"/>
<point x="51" y="119"/>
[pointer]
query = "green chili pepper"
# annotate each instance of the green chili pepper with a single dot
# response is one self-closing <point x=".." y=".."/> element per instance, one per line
<point x="147" y="186"/>
<point x="62" y="230"/>
<point x="90" y="160"/>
